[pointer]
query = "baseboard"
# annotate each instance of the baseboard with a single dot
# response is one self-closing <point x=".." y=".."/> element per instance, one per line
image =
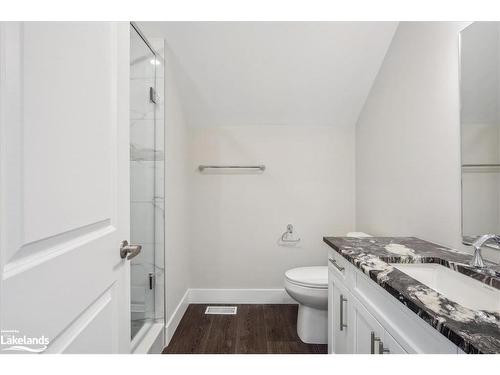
<point x="176" y="317"/>
<point x="250" y="296"/>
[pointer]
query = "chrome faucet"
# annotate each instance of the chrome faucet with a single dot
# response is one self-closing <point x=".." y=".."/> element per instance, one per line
<point x="477" y="260"/>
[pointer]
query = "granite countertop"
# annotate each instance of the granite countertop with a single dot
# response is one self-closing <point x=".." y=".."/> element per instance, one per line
<point x="473" y="331"/>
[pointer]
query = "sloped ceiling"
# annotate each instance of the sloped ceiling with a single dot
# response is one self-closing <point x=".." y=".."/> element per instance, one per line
<point x="274" y="73"/>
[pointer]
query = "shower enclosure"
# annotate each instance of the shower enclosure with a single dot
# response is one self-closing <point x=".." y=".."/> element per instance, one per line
<point x="147" y="217"/>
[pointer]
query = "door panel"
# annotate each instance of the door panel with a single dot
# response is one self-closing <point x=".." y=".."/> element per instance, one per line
<point x="366" y="326"/>
<point x="341" y="334"/>
<point x="331" y="315"/>
<point x="68" y="80"/>
<point x="64" y="184"/>
<point x="391" y="345"/>
<point x="78" y="337"/>
<point x="340" y="300"/>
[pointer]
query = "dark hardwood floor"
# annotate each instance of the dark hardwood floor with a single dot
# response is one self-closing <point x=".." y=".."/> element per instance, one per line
<point x="255" y="329"/>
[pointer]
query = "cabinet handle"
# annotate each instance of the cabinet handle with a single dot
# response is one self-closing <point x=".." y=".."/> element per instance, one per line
<point x="332" y="261"/>
<point x="374" y="338"/>
<point x="342" y="324"/>
<point x="381" y="348"/>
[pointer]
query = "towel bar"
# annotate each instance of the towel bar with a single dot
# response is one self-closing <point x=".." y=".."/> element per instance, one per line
<point x="201" y="168"/>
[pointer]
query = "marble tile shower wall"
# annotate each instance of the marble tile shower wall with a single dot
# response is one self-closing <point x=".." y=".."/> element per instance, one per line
<point x="147" y="166"/>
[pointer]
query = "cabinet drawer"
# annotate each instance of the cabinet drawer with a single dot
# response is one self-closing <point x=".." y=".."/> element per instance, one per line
<point x="341" y="268"/>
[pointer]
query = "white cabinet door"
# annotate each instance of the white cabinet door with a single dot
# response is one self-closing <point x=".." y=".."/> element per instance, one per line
<point x="368" y="333"/>
<point x="331" y="315"/>
<point x="339" y="314"/>
<point x="64" y="187"/>
<point x="390" y="346"/>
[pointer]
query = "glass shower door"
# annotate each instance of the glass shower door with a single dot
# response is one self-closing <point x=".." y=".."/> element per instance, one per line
<point x="146" y="186"/>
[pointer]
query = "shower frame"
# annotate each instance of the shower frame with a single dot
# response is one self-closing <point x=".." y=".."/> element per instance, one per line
<point x="137" y="339"/>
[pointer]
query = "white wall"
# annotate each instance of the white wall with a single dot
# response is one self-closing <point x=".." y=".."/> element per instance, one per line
<point x="238" y="218"/>
<point x="251" y="97"/>
<point x="178" y="232"/>
<point x="408" y="139"/>
<point x="274" y="73"/>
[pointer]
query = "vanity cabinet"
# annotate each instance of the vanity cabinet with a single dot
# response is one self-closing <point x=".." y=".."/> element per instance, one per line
<point x="364" y="319"/>
<point x="352" y="329"/>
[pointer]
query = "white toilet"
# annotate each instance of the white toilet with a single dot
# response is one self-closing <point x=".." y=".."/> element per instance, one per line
<point x="309" y="287"/>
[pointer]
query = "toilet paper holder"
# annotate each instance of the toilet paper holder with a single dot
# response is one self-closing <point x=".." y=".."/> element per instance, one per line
<point x="285" y="237"/>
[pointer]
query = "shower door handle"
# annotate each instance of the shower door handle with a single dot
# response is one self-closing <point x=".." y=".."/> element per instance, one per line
<point x="130" y="250"/>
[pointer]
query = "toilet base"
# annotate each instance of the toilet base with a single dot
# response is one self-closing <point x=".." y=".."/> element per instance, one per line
<point x="312" y="325"/>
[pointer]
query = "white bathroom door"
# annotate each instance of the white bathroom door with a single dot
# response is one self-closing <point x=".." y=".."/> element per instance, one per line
<point x="64" y="187"/>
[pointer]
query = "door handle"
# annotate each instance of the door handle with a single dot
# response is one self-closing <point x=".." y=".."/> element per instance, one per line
<point x="334" y="262"/>
<point x="130" y="250"/>
<point x="342" y="324"/>
<point x="373" y="338"/>
<point x="381" y="348"/>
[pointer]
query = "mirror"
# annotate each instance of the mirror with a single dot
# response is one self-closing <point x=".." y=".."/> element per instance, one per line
<point x="480" y="129"/>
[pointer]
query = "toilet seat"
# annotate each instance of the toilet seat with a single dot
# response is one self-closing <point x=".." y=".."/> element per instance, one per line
<point x="309" y="277"/>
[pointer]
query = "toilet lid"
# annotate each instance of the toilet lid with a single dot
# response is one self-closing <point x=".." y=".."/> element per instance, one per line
<point x="315" y="277"/>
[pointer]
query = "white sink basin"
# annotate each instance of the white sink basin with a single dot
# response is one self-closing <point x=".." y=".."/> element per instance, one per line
<point x="453" y="285"/>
